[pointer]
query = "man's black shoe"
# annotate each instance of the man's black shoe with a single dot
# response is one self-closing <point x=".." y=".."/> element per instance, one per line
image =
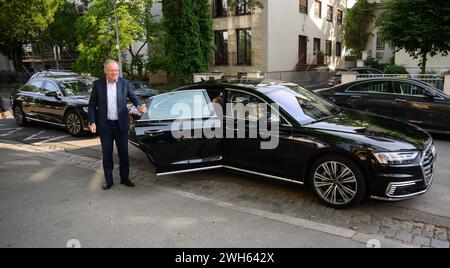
<point x="107" y="186"/>
<point x="127" y="183"/>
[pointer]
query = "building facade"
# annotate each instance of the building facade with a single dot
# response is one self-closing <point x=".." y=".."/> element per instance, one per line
<point x="377" y="48"/>
<point x="282" y="36"/>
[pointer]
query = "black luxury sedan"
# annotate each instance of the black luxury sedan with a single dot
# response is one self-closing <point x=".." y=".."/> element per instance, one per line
<point x="337" y="78"/>
<point x="57" y="100"/>
<point x="343" y="155"/>
<point x="404" y="99"/>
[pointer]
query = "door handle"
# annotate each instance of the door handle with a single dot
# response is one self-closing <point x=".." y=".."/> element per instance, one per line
<point x="400" y="100"/>
<point x="153" y="133"/>
<point x="355" y="97"/>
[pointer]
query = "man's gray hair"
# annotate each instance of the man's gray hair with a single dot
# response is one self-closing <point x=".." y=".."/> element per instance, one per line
<point x="108" y="62"/>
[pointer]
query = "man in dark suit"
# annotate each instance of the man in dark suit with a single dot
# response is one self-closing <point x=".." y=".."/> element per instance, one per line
<point x="108" y="115"/>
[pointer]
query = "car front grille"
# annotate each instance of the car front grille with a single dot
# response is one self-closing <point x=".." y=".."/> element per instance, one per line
<point x="428" y="159"/>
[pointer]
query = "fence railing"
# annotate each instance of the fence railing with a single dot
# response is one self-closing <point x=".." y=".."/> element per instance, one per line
<point x="436" y="80"/>
<point x="306" y="79"/>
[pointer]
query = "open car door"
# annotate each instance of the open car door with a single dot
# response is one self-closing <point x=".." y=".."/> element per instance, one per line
<point x="176" y="131"/>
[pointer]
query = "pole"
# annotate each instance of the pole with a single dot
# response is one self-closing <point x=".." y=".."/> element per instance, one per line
<point x="117" y="39"/>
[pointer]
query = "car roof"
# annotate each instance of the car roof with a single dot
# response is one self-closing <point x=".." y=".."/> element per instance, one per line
<point x="400" y="79"/>
<point x="386" y="78"/>
<point x="245" y="83"/>
<point x="61" y="78"/>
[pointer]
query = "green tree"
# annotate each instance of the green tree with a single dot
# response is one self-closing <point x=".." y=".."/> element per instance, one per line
<point x="96" y="34"/>
<point x="356" y="26"/>
<point x="21" y="21"/>
<point x="151" y="37"/>
<point x="420" y="27"/>
<point x="62" y="31"/>
<point x="188" y="37"/>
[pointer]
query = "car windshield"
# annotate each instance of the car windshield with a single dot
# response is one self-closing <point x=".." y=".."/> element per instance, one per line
<point x="79" y="87"/>
<point x="303" y="105"/>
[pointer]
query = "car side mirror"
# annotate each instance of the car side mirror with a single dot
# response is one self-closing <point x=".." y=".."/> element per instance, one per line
<point x="430" y="94"/>
<point x="53" y="94"/>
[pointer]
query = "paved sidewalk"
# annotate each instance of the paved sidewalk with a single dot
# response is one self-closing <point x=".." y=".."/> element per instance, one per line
<point x="48" y="197"/>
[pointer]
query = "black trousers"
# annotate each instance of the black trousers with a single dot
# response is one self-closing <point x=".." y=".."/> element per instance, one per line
<point x="108" y="135"/>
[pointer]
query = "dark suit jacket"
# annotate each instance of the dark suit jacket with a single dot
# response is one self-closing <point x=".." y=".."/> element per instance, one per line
<point x="98" y="103"/>
<point x="4" y="104"/>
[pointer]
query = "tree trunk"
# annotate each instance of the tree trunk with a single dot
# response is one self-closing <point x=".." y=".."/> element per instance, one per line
<point x="15" y="54"/>
<point x="423" y="63"/>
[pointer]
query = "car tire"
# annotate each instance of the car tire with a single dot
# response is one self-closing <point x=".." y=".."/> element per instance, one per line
<point x="337" y="181"/>
<point x="74" y="124"/>
<point x="20" y="116"/>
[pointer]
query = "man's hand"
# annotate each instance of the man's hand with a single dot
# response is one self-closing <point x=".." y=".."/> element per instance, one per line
<point x="4" y="115"/>
<point x="93" y="128"/>
<point x="142" y="109"/>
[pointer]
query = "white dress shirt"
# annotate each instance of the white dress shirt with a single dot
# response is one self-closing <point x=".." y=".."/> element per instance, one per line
<point x="112" y="100"/>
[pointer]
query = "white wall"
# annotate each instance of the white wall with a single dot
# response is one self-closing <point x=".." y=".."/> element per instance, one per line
<point x="438" y="63"/>
<point x="372" y="43"/>
<point x="285" y="23"/>
<point x="387" y="52"/>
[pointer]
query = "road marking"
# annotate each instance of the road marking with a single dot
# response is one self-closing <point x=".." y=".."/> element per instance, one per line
<point x="50" y="139"/>
<point x="33" y="137"/>
<point x="11" y="132"/>
<point x="7" y="129"/>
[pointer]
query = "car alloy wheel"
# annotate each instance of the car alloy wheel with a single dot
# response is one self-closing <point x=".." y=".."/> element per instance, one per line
<point x="337" y="181"/>
<point x="19" y="116"/>
<point x="74" y="124"/>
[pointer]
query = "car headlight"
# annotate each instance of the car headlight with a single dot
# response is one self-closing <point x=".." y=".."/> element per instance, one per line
<point x="86" y="109"/>
<point x="396" y="158"/>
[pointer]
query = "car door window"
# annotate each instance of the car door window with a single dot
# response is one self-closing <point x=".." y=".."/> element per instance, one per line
<point x="408" y="89"/>
<point x="246" y="107"/>
<point x="251" y="108"/>
<point x="215" y="98"/>
<point x="371" y="87"/>
<point x="33" y="86"/>
<point x="49" y="87"/>
<point x="179" y="105"/>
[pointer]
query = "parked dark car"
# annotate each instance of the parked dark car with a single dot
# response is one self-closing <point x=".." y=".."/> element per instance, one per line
<point x="52" y="72"/>
<point x="336" y="79"/>
<point x="57" y="100"/>
<point x="144" y="90"/>
<point x="343" y="155"/>
<point x="404" y="99"/>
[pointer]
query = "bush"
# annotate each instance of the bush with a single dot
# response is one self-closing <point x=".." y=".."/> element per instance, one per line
<point x="395" y="69"/>
<point x="371" y="62"/>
